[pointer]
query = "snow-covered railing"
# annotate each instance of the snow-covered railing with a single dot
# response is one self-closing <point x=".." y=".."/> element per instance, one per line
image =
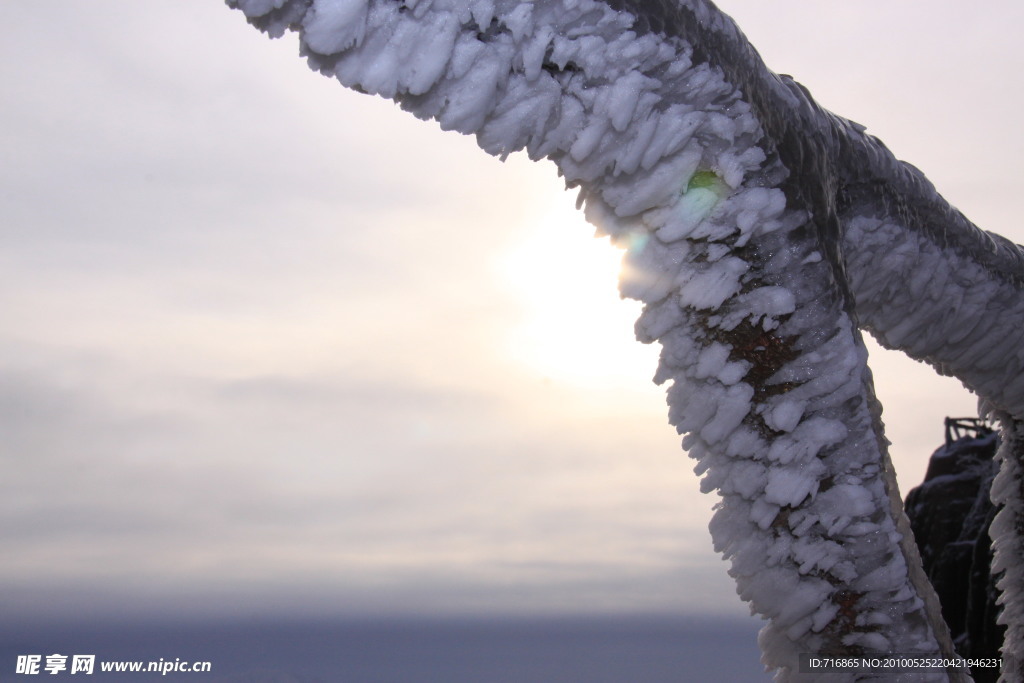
<point x="762" y="234"/>
<point x="967" y="428"/>
<point x="1007" y="541"/>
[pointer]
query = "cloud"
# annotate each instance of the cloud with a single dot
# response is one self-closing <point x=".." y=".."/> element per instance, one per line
<point x="360" y="488"/>
<point x="253" y="351"/>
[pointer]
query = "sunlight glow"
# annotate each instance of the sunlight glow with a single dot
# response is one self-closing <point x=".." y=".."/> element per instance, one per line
<point x="575" y="327"/>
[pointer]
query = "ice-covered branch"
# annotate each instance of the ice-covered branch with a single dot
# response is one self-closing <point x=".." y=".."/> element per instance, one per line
<point x="733" y="192"/>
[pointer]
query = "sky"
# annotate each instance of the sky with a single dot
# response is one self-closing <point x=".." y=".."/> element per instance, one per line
<point x="271" y="346"/>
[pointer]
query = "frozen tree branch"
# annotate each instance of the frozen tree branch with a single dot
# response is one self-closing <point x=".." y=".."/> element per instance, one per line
<point x="762" y="233"/>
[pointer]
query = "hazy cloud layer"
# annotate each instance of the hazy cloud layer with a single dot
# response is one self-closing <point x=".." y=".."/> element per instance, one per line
<point x="255" y="351"/>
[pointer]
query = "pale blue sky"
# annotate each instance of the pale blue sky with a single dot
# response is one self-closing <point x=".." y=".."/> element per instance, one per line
<point x="270" y="345"/>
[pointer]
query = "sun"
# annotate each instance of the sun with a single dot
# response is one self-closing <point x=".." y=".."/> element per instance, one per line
<point x="575" y="328"/>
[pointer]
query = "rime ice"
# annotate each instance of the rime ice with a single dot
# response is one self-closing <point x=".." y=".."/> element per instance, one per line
<point x="765" y="367"/>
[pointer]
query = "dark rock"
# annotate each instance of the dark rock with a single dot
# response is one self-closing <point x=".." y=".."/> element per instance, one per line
<point x="950" y="514"/>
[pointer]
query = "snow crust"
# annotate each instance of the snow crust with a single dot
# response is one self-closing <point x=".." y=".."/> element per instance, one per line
<point x="765" y="368"/>
<point x="939" y="306"/>
<point x="1007" y="544"/>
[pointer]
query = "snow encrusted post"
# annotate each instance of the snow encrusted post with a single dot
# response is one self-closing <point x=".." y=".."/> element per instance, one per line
<point x="928" y="282"/>
<point x="1007" y="533"/>
<point x="756" y="225"/>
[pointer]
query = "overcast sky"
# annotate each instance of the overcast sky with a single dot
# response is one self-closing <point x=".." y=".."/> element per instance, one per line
<point x="270" y="345"/>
